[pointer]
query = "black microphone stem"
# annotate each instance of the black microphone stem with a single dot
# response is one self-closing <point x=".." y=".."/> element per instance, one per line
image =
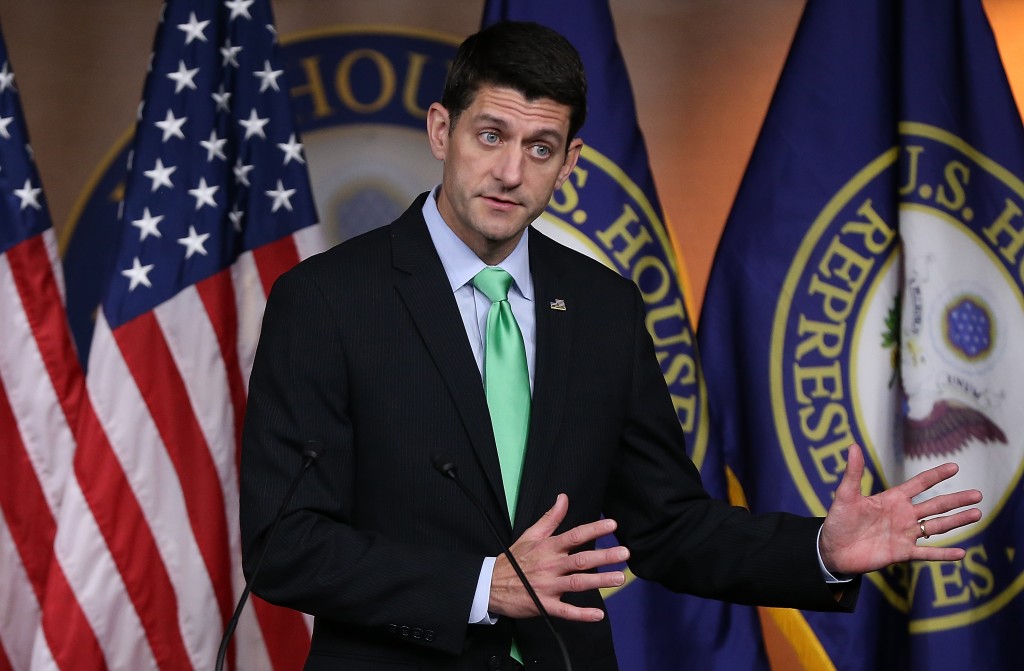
<point x="447" y="468"/>
<point x="309" y="455"/>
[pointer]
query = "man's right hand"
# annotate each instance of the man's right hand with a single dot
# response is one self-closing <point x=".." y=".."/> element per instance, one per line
<point x="553" y="571"/>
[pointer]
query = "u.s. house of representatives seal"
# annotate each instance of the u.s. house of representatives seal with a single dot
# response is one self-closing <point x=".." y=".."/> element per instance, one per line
<point x="899" y="327"/>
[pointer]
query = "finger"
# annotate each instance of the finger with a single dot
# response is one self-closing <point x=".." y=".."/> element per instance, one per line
<point x="582" y="582"/>
<point x="940" y="525"/>
<point x="567" y="611"/>
<point x="850" y="484"/>
<point x="946" y="502"/>
<point x="584" y="533"/>
<point x="550" y="520"/>
<point x="929" y="553"/>
<point x="592" y="559"/>
<point x="925" y="480"/>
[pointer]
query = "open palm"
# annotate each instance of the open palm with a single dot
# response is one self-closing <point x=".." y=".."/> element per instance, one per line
<point x="867" y="533"/>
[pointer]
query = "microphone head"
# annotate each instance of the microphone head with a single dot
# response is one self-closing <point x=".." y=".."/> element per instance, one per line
<point x="444" y="465"/>
<point x="312" y="450"/>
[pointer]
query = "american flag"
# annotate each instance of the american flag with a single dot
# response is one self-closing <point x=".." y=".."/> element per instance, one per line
<point x="217" y="204"/>
<point x="41" y="389"/>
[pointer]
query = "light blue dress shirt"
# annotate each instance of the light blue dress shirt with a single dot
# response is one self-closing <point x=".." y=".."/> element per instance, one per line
<point x="461" y="264"/>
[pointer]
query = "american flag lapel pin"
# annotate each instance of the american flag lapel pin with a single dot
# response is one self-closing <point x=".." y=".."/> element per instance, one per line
<point x="558" y="304"/>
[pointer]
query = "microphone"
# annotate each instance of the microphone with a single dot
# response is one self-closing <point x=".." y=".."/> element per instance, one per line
<point x="310" y="454"/>
<point x="446" y="467"/>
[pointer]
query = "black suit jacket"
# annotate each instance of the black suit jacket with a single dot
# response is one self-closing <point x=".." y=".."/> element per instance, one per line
<point x="363" y="349"/>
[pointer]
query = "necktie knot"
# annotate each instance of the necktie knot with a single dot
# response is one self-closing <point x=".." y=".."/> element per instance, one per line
<point x="494" y="283"/>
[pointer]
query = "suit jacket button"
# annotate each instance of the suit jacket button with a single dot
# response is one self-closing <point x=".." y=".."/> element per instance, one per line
<point x="494" y="663"/>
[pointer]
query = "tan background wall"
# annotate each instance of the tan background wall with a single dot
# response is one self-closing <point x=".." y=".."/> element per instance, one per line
<point x="703" y="72"/>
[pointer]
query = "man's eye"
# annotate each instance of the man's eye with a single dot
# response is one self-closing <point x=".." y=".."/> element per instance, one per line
<point x="541" y="151"/>
<point x="490" y="137"/>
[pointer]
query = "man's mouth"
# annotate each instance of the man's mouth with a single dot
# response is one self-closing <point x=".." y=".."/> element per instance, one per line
<point x="499" y="203"/>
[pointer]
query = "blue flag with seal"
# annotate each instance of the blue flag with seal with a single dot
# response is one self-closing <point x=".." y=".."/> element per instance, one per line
<point x="868" y="288"/>
<point x="609" y="209"/>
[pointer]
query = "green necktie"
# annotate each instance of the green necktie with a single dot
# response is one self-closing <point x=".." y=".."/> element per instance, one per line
<point x="507" y="383"/>
<point x="506" y="380"/>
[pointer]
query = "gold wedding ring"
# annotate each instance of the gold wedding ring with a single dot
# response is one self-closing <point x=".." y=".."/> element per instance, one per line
<point x="924" y="532"/>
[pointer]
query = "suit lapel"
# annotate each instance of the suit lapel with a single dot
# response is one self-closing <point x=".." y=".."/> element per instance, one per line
<point x="551" y="375"/>
<point x="426" y="292"/>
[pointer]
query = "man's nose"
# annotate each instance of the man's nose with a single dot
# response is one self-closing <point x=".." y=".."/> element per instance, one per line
<point x="508" y="167"/>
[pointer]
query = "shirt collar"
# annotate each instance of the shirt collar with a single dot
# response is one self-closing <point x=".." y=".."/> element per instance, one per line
<point x="461" y="264"/>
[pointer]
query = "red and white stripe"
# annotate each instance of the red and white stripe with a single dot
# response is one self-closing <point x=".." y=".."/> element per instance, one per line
<point x="148" y="532"/>
<point x="41" y="389"/>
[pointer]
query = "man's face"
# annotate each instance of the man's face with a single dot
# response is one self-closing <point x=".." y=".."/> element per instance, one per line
<point x="503" y="159"/>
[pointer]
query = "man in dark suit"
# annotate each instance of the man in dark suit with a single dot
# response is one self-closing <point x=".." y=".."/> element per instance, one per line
<point x="379" y="350"/>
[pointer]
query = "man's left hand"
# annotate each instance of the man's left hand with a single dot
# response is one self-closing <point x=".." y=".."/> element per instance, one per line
<point x="867" y="533"/>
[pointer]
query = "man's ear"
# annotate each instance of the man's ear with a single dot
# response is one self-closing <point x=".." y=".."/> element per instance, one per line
<point x="438" y="126"/>
<point x="571" y="157"/>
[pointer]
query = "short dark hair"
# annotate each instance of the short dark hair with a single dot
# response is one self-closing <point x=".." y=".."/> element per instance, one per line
<point x="526" y="57"/>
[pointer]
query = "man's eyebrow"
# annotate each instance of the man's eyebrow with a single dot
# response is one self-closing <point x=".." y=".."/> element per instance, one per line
<point x="492" y="120"/>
